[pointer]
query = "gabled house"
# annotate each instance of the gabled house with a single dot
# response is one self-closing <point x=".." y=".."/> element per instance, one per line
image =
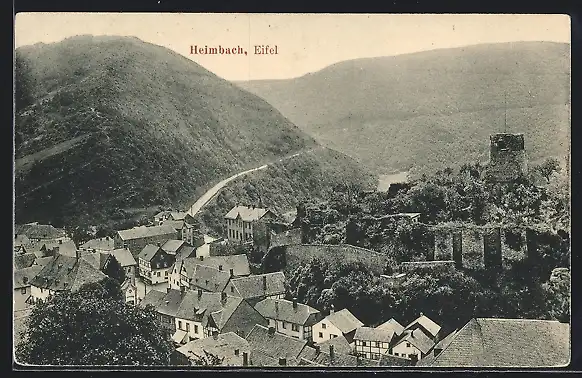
<point x="165" y="305"/>
<point x="227" y="267"/>
<point x="104" y="244"/>
<point x="62" y="247"/>
<point x="174" y="246"/>
<point x="209" y="279"/>
<point x="428" y="327"/>
<point x="175" y="279"/>
<point x="135" y="239"/>
<point x="63" y="273"/>
<point x="21" y="285"/>
<point x="438" y="348"/>
<point x="230" y="348"/>
<point x="330" y="357"/>
<point x="255" y="288"/>
<point x="202" y="313"/>
<point x="99" y="260"/>
<point x="155" y="264"/>
<point x="238" y="263"/>
<point x="24" y="260"/>
<point x="204" y="243"/>
<point x="337" y="323"/>
<point x="413" y="344"/>
<point x="166" y="215"/>
<point x="191" y="233"/>
<point x="372" y="343"/>
<point x="280" y="349"/>
<point x="126" y="260"/>
<point x="37" y="233"/>
<point x="289" y="317"/>
<point x="503" y="343"/>
<point x="340" y="345"/>
<point x="240" y="219"/>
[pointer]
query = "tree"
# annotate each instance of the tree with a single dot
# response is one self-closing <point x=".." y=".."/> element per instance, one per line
<point x="115" y="270"/>
<point x="92" y="326"/>
<point x="208" y="359"/>
<point x="557" y="292"/>
<point x="548" y="167"/>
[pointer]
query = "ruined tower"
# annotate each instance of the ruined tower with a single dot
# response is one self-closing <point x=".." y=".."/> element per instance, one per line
<point x="507" y="158"/>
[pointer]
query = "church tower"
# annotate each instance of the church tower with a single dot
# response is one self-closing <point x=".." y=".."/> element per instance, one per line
<point x="507" y="158"/>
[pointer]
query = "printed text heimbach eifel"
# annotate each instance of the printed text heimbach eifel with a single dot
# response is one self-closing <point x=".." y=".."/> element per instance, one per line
<point x="236" y="50"/>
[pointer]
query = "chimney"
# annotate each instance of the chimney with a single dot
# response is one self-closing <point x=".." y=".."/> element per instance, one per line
<point x="231" y="272"/>
<point x="245" y="359"/>
<point x="331" y="355"/>
<point x="271" y="330"/>
<point x="223" y="297"/>
<point x="295" y="303"/>
<point x="282" y="361"/>
<point x="332" y="309"/>
<point x="264" y="283"/>
<point x="199" y="293"/>
<point x="215" y="335"/>
<point x="421" y="314"/>
<point x="220" y="268"/>
<point x="276" y="308"/>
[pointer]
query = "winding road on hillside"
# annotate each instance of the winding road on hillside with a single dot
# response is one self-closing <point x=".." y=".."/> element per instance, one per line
<point x="212" y="192"/>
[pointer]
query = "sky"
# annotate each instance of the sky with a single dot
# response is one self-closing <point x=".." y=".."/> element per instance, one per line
<point x="305" y="42"/>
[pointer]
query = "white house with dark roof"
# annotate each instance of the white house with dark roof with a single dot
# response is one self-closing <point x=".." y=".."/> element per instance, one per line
<point x="240" y="219"/>
<point x="155" y="264"/>
<point x="233" y="265"/>
<point x="372" y="343"/>
<point x="290" y="317"/>
<point x="493" y="342"/>
<point x="22" y="281"/>
<point x="136" y="238"/>
<point x="166" y="215"/>
<point x="429" y="327"/>
<point x="126" y="260"/>
<point x="255" y="288"/>
<point x="414" y="344"/>
<point x="129" y="290"/>
<point x="337" y="323"/>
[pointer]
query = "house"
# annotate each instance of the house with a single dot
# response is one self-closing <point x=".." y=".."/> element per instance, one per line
<point x="24" y="260"/>
<point x="238" y="263"/>
<point x="63" y="273"/>
<point x="201" y="313"/>
<point x="337" y="323"/>
<point x="152" y="298"/>
<point x="229" y="347"/>
<point x="191" y="231"/>
<point x="209" y="279"/>
<point x="289" y="317"/>
<point x="393" y="361"/>
<point x="411" y="217"/>
<point x="492" y="342"/>
<point x="60" y="246"/>
<point x="105" y="244"/>
<point x="340" y="345"/>
<point x="42" y="261"/>
<point x="126" y="260"/>
<point x="234" y="265"/>
<point x="155" y="264"/>
<point x="203" y="246"/>
<point x="174" y="246"/>
<point x="372" y="343"/>
<point x="280" y="349"/>
<point x="393" y="326"/>
<point x="175" y="279"/>
<point x="239" y="222"/>
<point x="165" y="305"/>
<point x="438" y="348"/>
<point x="135" y="239"/>
<point x="429" y="328"/>
<point x="255" y="288"/>
<point x="129" y="290"/>
<point x="329" y="357"/>
<point x="163" y="216"/>
<point x="22" y="279"/>
<point x="99" y="260"/>
<point x="40" y="232"/>
<point x="414" y="344"/>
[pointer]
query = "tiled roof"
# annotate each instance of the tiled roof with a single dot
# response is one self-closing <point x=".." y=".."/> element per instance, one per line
<point x="21" y="240"/>
<point x="153" y="297"/>
<point x="247" y="214"/>
<point x="210" y="279"/>
<point x="176" y="224"/>
<point x="490" y="342"/>
<point x="23" y="277"/>
<point x="393" y="326"/>
<point x="144" y="232"/>
<point x="105" y="244"/>
<point x="324" y="357"/>
<point x="197" y="306"/>
<point x="340" y="345"/>
<point x="24" y="260"/>
<point x="417" y="338"/>
<point x="281" y="309"/>
<point x="65" y="272"/>
<point x="96" y="259"/>
<point x="260" y="358"/>
<point x="223" y="347"/>
<point x="177" y="215"/>
<point x="124" y="257"/>
<point x="240" y="263"/>
<point x="344" y="320"/>
<point x="439" y="347"/>
<point x="274" y="345"/>
<point x="172" y="245"/>
<point x="170" y="303"/>
<point x="390" y="360"/>
<point x="42" y="261"/>
<point x="254" y="286"/>
<point x="67" y="247"/>
<point x="39" y="231"/>
<point x="427" y="324"/>
<point x="373" y="334"/>
<point x="148" y="252"/>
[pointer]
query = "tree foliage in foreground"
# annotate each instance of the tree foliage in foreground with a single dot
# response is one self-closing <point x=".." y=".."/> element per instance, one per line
<point x="93" y="326"/>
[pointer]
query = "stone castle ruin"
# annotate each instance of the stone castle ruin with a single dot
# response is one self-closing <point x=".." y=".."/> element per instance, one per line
<point x="507" y="157"/>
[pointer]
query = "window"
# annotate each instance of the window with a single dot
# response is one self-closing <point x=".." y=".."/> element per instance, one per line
<point x="23" y="290"/>
<point x="159" y="274"/>
<point x="295" y="327"/>
<point x="408" y="345"/>
<point x="284" y="325"/>
<point x="363" y="343"/>
<point x="396" y="354"/>
<point x="412" y="355"/>
<point x="236" y="351"/>
<point x="332" y="336"/>
<point x="166" y="273"/>
<point x="195" y="328"/>
<point x="320" y="335"/>
<point x="179" y="324"/>
<point x="187" y="327"/>
<point x="232" y="289"/>
<point x="323" y="325"/>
